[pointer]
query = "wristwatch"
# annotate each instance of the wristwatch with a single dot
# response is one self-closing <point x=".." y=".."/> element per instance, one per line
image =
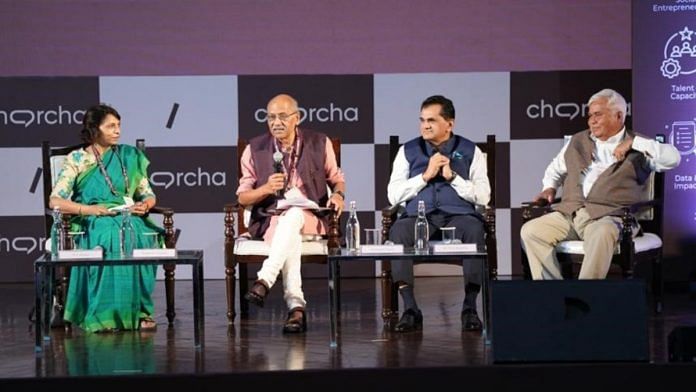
<point x="343" y="195"/>
<point x="454" y="175"/>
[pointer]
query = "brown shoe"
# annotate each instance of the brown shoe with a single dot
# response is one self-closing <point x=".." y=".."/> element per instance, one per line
<point x="296" y="322"/>
<point x="257" y="293"/>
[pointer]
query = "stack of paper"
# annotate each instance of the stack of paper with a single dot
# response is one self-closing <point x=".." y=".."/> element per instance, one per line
<point x="295" y="198"/>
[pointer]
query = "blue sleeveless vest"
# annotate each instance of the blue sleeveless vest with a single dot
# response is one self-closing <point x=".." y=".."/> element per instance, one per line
<point x="439" y="194"/>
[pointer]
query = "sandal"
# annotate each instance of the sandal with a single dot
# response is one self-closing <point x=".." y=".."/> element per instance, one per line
<point x="148" y="324"/>
<point x="296" y="322"/>
<point x="257" y="293"/>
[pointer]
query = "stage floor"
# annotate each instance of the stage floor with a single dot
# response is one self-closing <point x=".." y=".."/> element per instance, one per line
<point x="258" y="344"/>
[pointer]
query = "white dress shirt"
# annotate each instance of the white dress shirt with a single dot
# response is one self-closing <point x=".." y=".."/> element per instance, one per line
<point x="660" y="157"/>
<point x="476" y="189"/>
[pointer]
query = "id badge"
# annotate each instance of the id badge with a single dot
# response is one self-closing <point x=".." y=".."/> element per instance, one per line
<point x="128" y="201"/>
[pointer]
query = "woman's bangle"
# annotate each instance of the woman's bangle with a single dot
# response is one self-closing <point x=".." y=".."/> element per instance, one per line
<point x="79" y="210"/>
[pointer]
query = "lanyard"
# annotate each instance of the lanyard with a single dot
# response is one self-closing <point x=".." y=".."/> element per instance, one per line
<point x="291" y="167"/>
<point x="106" y="175"/>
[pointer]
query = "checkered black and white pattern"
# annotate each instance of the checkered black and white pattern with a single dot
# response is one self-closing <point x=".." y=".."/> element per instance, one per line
<point x="191" y="125"/>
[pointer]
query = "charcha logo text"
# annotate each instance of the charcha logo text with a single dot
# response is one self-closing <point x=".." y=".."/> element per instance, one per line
<point x="330" y="113"/>
<point x="569" y="110"/>
<point x="29" y="117"/>
<point x="22" y="244"/>
<point x="195" y="178"/>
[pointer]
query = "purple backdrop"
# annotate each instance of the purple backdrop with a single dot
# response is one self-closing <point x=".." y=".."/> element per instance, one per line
<point x="664" y="102"/>
<point x="166" y="37"/>
<point x="411" y="47"/>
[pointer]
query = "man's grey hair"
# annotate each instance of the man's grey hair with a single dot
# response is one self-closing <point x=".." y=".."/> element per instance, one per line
<point x="615" y="101"/>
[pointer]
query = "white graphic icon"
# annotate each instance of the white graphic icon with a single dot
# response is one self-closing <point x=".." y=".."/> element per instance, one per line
<point x="679" y="54"/>
<point x="682" y="136"/>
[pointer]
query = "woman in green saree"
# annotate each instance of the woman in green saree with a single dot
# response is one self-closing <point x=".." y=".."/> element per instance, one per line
<point x="93" y="180"/>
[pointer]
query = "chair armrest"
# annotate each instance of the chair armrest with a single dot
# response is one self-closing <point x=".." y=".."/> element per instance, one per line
<point x="489" y="219"/>
<point x="635" y="207"/>
<point x="540" y="203"/>
<point x="231" y="210"/>
<point x="390" y="211"/>
<point x="334" y="234"/>
<point x="388" y="218"/>
<point x="233" y="207"/>
<point x="161" y="210"/>
<point x="171" y="235"/>
<point x="628" y="218"/>
<point x="529" y="206"/>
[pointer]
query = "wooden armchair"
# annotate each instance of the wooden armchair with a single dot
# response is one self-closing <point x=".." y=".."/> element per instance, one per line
<point x="645" y="247"/>
<point x="390" y="301"/>
<point x="52" y="163"/>
<point x="241" y="249"/>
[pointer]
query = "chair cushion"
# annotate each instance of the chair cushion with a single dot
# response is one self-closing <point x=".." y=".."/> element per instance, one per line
<point x="244" y="246"/>
<point x="647" y="241"/>
<point x="56" y="167"/>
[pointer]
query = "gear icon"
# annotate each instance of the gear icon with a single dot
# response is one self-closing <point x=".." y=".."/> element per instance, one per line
<point x="670" y="68"/>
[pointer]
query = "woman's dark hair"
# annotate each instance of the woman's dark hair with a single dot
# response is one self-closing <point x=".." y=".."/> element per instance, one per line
<point x="94" y="116"/>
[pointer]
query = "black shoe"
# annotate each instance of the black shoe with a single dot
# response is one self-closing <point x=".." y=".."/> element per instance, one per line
<point x="257" y="293"/>
<point x="411" y="320"/>
<point x="471" y="321"/>
<point x="296" y="322"/>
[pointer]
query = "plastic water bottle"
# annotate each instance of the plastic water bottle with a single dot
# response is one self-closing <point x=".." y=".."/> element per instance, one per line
<point x="126" y="235"/>
<point x="57" y="234"/>
<point x="421" y="230"/>
<point x="353" y="229"/>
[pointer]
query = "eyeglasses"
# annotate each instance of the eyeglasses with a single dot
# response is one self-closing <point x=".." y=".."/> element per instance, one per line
<point x="282" y="116"/>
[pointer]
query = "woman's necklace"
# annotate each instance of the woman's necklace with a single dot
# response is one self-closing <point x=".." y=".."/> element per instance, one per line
<point x="106" y="175"/>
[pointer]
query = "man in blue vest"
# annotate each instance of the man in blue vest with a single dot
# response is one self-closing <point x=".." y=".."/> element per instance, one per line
<point x="448" y="172"/>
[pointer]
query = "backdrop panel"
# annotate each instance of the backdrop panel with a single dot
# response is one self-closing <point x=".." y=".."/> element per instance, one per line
<point x="481" y="102"/>
<point x="664" y="79"/>
<point x="34" y="109"/>
<point x="532" y="156"/>
<point x="193" y="179"/>
<point x="338" y="105"/>
<point x="175" y="110"/>
<point x="22" y="190"/>
<point x="545" y="105"/>
<point x="22" y="241"/>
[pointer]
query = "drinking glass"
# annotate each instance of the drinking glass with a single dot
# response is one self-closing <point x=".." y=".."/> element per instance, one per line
<point x="448" y="235"/>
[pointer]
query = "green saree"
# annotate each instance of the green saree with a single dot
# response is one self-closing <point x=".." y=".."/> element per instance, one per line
<point x="118" y="297"/>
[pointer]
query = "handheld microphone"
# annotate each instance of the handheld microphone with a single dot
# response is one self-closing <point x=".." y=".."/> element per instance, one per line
<point x="278" y="168"/>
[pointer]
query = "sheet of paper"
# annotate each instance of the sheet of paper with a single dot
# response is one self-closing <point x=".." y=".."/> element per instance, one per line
<point x="80" y="254"/>
<point x="295" y="198"/>
<point x="454" y="248"/>
<point x="382" y="249"/>
<point x="154" y="253"/>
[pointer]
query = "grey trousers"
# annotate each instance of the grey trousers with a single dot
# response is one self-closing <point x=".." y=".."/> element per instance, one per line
<point x="468" y="228"/>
